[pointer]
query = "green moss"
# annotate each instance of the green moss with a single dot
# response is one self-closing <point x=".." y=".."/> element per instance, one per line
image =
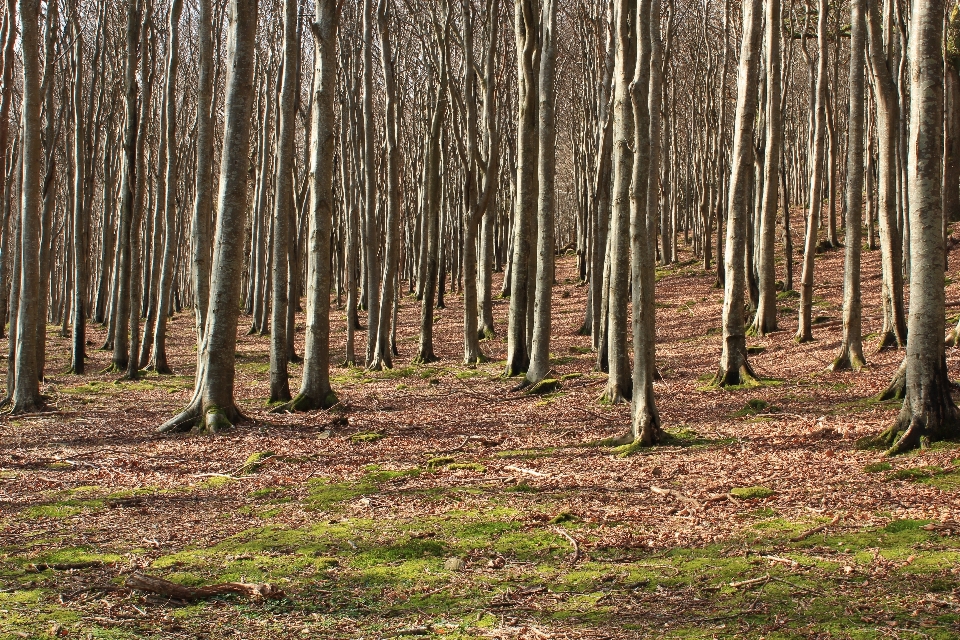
<point x="751" y="493"/>
<point x="916" y="473"/>
<point x="522" y="487"/>
<point x="754" y="407"/>
<point x="467" y="466"/>
<point x="433" y="464"/>
<point x="367" y="436"/>
<point x="877" y="467"/>
<point x="255" y="461"/>
<point x="526" y="453"/>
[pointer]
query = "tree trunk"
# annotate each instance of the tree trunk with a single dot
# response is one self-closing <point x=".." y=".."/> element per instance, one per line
<point x="928" y="411"/>
<point x="734" y="368"/>
<point x="851" y="349"/>
<point x="213" y="403"/>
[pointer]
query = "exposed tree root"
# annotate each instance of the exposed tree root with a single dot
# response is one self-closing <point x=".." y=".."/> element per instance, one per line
<point x="425" y="357"/>
<point x="486" y="333"/>
<point x="211" y="421"/>
<point x="897" y="389"/>
<point x="36" y="405"/>
<point x="888" y="340"/>
<point x="473" y="361"/>
<point x="543" y="387"/>
<point x="304" y="402"/>
<point x="848" y="360"/>
<point x="616" y="394"/>
<point x="953" y="338"/>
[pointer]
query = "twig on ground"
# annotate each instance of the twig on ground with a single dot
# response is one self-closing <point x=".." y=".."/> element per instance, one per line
<point x="674" y="494"/>
<point x="753" y="582"/>
<point x="576" y="546"/>
<point x="529" y="472"/>
<point x="179" y="592"/>
<point x="811" y="532"/>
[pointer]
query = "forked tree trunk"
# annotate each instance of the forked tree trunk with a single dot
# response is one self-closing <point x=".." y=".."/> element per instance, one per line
<point x="765" y="320"/>
<point x="521" y="283"/>
<point x="928" y="411"/>
<point x="213" y="404"/>
<point x="734" y="368"/>
<point x="539" y="366"/>
<point x="851" y="349"/>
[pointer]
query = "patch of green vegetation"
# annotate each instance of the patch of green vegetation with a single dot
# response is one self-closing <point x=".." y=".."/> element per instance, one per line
<point x="215" y="482"/>
<point x="914" y="473"/>
<point x="255" y="461"/>
<point x="62" y="508"/>
<point x="877" y="467"/>
<point x="467" y="466"/>
<point x="751" y="493"/>
<point x="755" y="407"/>
<point x="563" y="516"/>
<point x="434" y="464"/>
<point x="789" y="294"/>
<point x="526" y="453"/>
<point x="366" y="436"/>
<point x="324" y="495"/>
<point x="522" y="487"/>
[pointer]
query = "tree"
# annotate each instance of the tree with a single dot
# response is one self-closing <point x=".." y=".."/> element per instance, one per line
<point x="928" y="412"/>
<point x="734" y="368"/>
<point x="213" y="404"/>
<point x="26" y="391"/>
<point x="851" y="349"/>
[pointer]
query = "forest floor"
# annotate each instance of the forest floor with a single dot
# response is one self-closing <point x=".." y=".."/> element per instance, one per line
<point x="761" y="518"/>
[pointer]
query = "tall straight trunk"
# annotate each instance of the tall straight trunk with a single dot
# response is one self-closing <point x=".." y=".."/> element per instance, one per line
<point x="16" y="268"/>
<point x="765" y="320"/>
<point x="107" y="235"/>
<point x="433" y="191"/>
<point x="159" y="361"/>
<point x="851" y="349"/>
<point x="539" y="366"/>
<point x="894" y="332"/>
<point x="928" y="411"/>
<point x="805" y="330"/>
<point x="148" y="55"/>
<point x="213" y="404"/>
<point x="381" y="356"/>
<point x="645" y="421"/>
<point x="619" y="382"/>
<point x="128" y="180"/>
<point x="734" y="368"/>
<point x="26" y="385"/>
<point x="9" y="36"/>
<point x="203" y="189"/>
<point x="315" y="391"/>
<point x="521" y="283"/>
<point x="371" y="228"/>
<point x="79" y="303"/>
<point x="282" y="200"/>
<point x="48" y="189"/>
<point x="951" y="120"/>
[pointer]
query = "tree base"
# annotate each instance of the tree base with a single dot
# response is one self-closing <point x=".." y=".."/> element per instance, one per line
<point x="742" y="378"/>
<point x="616" y="394"/>
<point x="897" y="389"/>
<point x="304" y="402"/>
<point x="888" y="340"/>
<point x="425" y="357"/>
<point x="211" y="421"/>
<point x="848" y="360"/>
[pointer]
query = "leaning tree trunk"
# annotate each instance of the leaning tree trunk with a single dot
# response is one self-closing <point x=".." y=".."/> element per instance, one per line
<point x="894" y="332"/>
<point x="765" y="320"/>
<point x="159" y="359"/>
<point x="734" y="368"/>
<point x="539" y="367"/>
<point x="805" y="330"/>
<point x="928" y="411"/>
<point x="851" y="349"/>
<point x="26" y="385"/>
<point x="213" y="403"/>
<point x="315" y="391"/>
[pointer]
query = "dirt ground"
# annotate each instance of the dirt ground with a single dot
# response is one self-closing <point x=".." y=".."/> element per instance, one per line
<point x="386" y="518"/>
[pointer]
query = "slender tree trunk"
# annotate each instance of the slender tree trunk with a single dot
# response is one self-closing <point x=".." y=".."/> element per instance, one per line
<point x="766" y="319"/>
<point x="851" y="349"/>
<point x="371" y="228"/>
<point x="734" y="368"/>
<point x="315" y="391"/>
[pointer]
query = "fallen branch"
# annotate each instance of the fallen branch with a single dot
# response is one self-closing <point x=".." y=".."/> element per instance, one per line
<point x="219" y="475"/>
<point x="575" y="558"/>
<point x="810" y="532"/>
<point x="675" y="494"/>
<point x="179" y="592"/>
<point x="948" y="525"/>
<point x="753" y="582"/>
<point x="529" y="472"/>
<point x="64" y="566"/>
